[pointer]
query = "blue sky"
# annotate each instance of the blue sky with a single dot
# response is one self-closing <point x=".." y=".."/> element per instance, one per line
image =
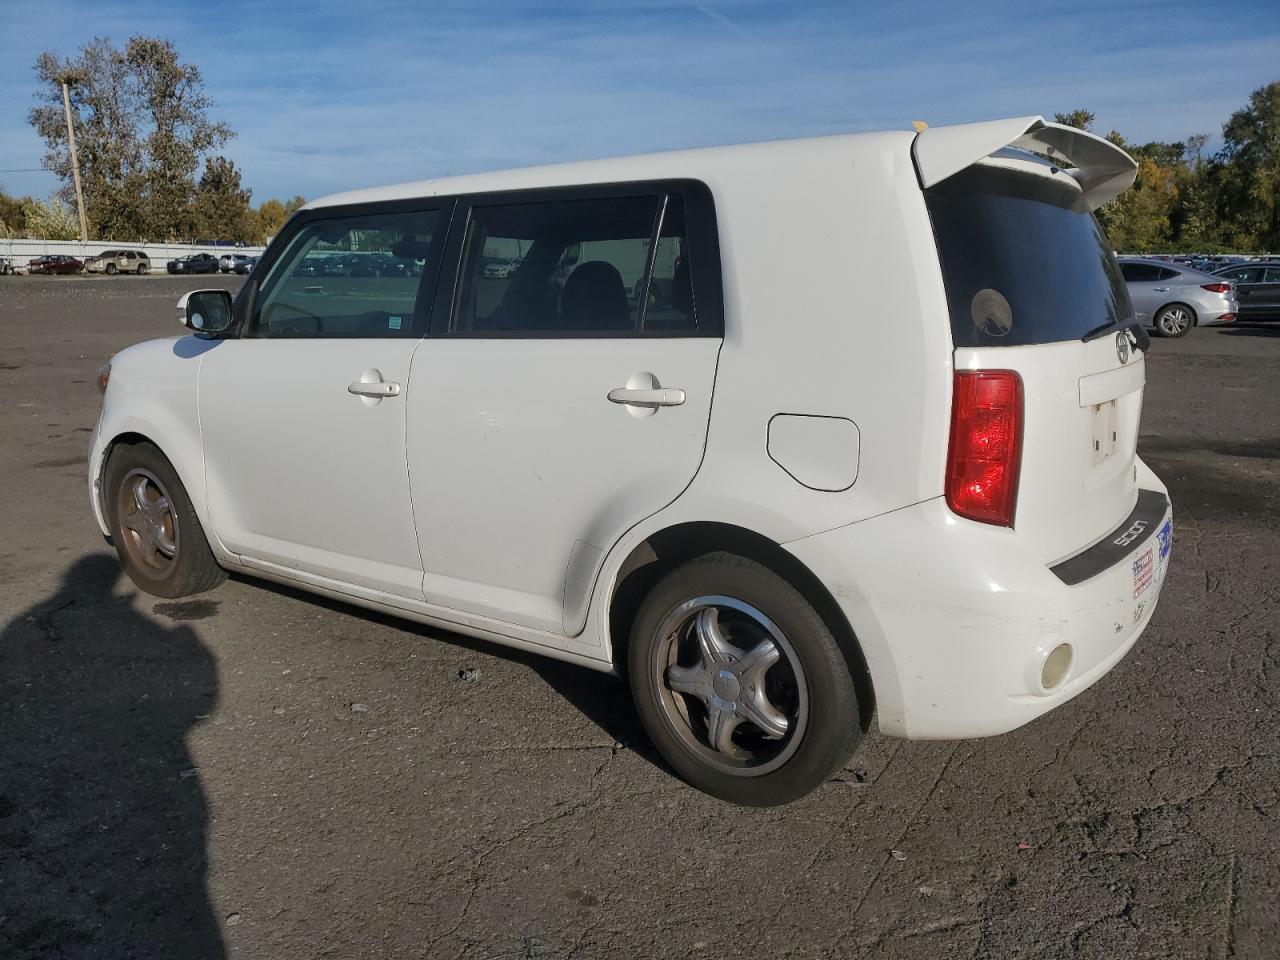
<point x="327" y="95"/>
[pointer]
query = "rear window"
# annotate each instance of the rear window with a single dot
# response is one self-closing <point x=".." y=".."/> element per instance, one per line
<point x="1023" y="260"/>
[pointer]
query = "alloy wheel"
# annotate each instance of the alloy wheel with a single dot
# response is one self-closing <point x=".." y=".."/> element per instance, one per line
<point x="148" y="523"/>
<point x="731" y="685"/>
<point x="1175" y="321"/>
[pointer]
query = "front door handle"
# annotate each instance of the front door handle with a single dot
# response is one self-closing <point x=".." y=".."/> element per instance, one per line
<point x="372" y="387"/>
<point x="1161" y="289"/>
<point x="648" y="397"/>
<point x="380" y="389"/>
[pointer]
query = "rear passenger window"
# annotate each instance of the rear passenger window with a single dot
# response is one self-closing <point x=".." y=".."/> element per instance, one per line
<point x="1271" y="275"/>
<point x="1139" y="272"/>
<point x="576" y="268"/>
<point x="355" y="276"/>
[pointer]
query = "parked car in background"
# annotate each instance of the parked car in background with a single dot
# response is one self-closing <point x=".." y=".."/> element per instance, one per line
<point x="6" y="266"/>
<point x="1174" y="298"/>
<point x="246" y="264"/>
<point x="1257" y="288"/>
<point x="56" y="263"/>
<point x="119" y="261"/>
<point x="228" y="262"/>
<point x="551" y="473"/>
<point x="196" y="263"/>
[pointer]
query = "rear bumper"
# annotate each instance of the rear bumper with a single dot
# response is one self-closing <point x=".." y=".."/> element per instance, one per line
<point x="957" y="619"/>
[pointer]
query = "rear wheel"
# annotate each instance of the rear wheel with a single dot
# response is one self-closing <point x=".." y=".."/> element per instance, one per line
<point x="154" y="527"/>
<point x="740" y="684"/>
<point x="1175" y="320"/>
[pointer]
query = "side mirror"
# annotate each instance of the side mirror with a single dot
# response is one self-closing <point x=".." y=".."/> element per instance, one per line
<point x="205" y="311"/>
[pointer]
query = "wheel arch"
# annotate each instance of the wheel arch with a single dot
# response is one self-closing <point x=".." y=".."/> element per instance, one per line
<point x="665" y="549"/>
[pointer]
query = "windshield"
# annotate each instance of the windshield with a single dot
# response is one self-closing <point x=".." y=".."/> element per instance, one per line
<point x="1023" y="259"/>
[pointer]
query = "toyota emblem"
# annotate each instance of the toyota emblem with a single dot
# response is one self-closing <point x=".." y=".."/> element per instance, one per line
<point x="1122" y="346"/>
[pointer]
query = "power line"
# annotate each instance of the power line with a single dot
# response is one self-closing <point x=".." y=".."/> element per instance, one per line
<point x="23" y="170"/>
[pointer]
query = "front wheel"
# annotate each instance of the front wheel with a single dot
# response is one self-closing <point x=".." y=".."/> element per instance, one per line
<point x="154" y="527"/>
<point x="111" y="269"/>
<point x="142" y="269"/>
<point x="1175" y="320"/>
<point x="740" y="684"/>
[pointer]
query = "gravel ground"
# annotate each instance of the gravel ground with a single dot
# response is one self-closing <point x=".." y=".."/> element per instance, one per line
<point x="256" y="773"/>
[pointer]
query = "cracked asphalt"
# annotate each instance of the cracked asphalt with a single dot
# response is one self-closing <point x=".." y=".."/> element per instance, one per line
<point x="256" y="773"/>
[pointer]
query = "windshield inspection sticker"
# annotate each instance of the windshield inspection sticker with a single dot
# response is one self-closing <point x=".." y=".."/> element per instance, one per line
<point x="1143" y="571"/>
<point x="393" y="323"/>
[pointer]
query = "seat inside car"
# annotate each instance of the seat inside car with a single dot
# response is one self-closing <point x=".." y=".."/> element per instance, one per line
<point x="594" y="298"/>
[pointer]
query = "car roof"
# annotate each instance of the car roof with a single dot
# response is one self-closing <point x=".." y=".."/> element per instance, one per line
<point x="702" y="163"/>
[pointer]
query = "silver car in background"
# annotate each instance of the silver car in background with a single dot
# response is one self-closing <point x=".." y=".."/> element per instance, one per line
<point x="1174" y="298"/>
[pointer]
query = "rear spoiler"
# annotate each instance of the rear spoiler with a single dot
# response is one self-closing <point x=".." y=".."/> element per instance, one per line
<point x="1102" y="169"/>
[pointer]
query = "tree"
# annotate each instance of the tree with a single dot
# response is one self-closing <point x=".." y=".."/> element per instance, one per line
<point x="271" y="216"/>
<point x="1080" y="119"/>
<point x="12" y="218"/>
<point x="221" y="208"/>
<point x="1251" y="157"/>
<point x="51" y="220"/>
<point x="142" y="127"/>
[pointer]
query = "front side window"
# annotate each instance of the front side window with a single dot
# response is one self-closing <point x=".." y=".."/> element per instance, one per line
<point x="359" y="276"/>
<point x="576" y="268"/>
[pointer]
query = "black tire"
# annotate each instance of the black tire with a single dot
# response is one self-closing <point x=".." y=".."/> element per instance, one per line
<point x="822" y="723"/>
<point x="143" y="268"/>
<point x="1174" y="320"/>
<point x="192" y="568"/>
<point x="111" y="269"/>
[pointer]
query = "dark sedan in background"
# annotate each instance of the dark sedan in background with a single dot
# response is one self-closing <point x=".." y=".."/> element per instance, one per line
<point x="1257" y="288"/>
<point x="196" y="263"/>
<point x="55" y="264"/>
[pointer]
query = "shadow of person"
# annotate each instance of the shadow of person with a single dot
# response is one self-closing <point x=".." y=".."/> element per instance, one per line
<point x="102" y="818"/>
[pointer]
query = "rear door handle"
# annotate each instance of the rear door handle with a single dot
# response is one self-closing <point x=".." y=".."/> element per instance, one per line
<point x="361" y="389"/>
<point x="657" y="397"/>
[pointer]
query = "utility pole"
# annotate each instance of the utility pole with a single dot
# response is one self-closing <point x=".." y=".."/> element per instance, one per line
<point x="75" y="160"/>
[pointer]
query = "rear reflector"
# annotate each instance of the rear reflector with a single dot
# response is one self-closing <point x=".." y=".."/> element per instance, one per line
<point x="1216" y="287"/>
<point x="1226" y="317"/>
<point x="985" y="453"/>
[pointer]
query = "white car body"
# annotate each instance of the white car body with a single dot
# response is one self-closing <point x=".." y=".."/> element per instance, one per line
<point x="523" y="496"/>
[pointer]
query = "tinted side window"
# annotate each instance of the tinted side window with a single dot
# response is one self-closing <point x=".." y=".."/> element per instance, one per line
<point x="1139" y="272"/>
<point x="1271" y="275"/>
<point x="355" y="276"/>
<point x="576" y="267"/>
<point x="1164" y="273"/>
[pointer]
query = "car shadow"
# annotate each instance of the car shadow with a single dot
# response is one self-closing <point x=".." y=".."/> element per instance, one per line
<point x="1251" y="330"/>
<point x="103" y="817"/>
<point x="602" y="698"/>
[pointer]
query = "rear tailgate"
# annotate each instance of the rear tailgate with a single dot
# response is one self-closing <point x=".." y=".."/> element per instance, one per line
<point x="1032" y="286"/>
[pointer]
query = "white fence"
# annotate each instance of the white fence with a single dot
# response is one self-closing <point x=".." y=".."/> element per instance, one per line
<point x="20" y="251"/>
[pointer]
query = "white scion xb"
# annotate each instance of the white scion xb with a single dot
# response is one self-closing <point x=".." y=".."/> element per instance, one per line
<point x="677" y="441"/>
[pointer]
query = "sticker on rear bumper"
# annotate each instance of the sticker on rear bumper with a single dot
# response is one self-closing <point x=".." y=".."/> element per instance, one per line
<point x="1144" y="568"/>
<point x="1165" y="536"/>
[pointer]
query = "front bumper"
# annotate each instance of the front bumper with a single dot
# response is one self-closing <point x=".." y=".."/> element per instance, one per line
<point x="958" y="620"/>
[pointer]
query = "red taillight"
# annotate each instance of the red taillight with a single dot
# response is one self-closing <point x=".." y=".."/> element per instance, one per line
<point x="1216" y="287"/>
<point x="985" y="454"/>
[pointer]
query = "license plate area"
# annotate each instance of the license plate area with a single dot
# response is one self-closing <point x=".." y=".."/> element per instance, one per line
<point x="1104" y="430"/>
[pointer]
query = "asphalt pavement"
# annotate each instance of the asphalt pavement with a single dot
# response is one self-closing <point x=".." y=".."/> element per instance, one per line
<point x="257" y="773"/>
